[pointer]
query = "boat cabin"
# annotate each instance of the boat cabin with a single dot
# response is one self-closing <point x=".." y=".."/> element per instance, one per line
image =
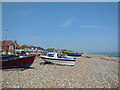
<point x="54" y="55"/>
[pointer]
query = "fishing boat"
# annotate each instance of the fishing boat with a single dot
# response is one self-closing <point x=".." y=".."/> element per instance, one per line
<point x="57" y="58"/>
<point x="74" y="54"/>
<point x="15" y="61"/>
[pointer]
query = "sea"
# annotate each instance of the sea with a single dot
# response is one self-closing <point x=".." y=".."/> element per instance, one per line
<point x="116" y="54"/>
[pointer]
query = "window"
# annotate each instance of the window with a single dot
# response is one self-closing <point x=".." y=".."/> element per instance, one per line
<point x="0" y="47"/>
<point x="51" y="55"/>
<point x="11" y="47"/>
<point x="59" y="55"/>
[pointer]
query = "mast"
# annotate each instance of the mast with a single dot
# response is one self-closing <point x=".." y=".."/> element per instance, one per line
<point x="6" y="32"/>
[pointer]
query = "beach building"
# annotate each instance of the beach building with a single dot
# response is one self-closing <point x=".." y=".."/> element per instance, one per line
<point x="31" y="50"/>
<point x="8" y="47"/>
<point x="50" y="49"/>
<point x="53" y="50"/>
<point x="57" y="50"/>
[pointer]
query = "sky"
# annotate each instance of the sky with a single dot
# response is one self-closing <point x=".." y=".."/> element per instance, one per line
<point x="78" y="26"/>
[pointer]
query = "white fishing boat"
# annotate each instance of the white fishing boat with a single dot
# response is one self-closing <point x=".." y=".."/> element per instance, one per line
<point x="56" y="58"/>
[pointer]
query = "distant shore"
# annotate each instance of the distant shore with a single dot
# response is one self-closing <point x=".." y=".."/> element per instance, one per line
<point x="115" y="54"/>
<point x="89" y="71"/>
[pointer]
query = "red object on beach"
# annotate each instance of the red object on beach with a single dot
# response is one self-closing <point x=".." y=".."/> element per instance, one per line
<point x="19" y="62"/>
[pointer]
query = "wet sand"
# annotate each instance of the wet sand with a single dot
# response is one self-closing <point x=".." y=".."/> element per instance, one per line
<point x="89" y="71"/>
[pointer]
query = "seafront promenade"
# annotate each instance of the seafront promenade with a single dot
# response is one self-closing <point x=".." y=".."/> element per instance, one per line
<point x="89" y="71"/>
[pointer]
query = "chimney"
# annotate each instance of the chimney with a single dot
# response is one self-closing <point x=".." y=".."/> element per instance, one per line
<point x="15" y="41"/>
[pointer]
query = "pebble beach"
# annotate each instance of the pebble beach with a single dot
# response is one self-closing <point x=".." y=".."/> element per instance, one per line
<point x="89" y="71"/>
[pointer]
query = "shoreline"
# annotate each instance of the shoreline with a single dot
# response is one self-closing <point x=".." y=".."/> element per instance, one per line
<point x="105" y="57"/>
<point x="107" y="54"/>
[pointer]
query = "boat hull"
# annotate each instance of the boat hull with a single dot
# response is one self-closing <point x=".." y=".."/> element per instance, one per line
<point x="70" y="54"/>
<point x="20" y="62"/>
<point x="11" y="57"/>
<point x="59" y="61"/>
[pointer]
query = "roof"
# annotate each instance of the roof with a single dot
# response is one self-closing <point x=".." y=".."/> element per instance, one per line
<point x="24" y="46"/>
<point x="50" y="49"/>
<point x="30" y="47"/>
<point x="8" y="42"/>
<point x="17" y="45"/>
<point x="57" y="49"/>
<point x="5" y="42"/>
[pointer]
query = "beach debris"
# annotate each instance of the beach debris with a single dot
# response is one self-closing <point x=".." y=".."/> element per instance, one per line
<point x="110" y="59"/>
<point x="87" y="56"/>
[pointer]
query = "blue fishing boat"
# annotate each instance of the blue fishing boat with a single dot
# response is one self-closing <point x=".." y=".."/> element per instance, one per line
<point x="74" y="54"/>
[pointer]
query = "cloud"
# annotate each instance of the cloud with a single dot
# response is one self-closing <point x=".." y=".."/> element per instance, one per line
<point x="89" y="26"/>
<point x="67" y="22"/>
